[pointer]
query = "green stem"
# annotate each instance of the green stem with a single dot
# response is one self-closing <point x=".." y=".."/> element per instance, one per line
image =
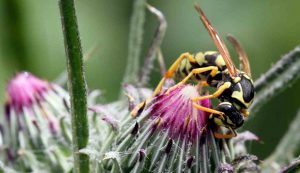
<point x="279" y="77"/>
<point x="76" y="84"/>
<point x="154" y="47"/>
<point x="135" y="41"/>
<point x="292" y="167"/>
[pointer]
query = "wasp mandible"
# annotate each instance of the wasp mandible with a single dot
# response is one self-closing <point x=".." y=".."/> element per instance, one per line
<point x="234" y="87"/>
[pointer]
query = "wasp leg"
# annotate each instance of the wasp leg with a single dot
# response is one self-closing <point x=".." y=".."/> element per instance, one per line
<point x="245" y="113"/>
<point x="220" y="90"/>
<point x="172" y="70"/>
<point x="205" y="109"/>
<point x="213" y="72"/>
<point x="169" y="74"/>
<point x="226" y="136"/>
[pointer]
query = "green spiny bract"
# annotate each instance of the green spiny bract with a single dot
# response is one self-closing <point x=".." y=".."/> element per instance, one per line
<point x="169" y="135"/>
<point x="35" y="127"/>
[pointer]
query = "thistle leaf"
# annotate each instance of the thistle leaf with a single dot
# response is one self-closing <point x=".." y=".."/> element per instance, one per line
<point x="135" y="41"/>
<point x="155" y="45"/>
<point x="279" y="77"/>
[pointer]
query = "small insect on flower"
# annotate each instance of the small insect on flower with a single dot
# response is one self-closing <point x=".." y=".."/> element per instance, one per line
<point x="234" y="87"/>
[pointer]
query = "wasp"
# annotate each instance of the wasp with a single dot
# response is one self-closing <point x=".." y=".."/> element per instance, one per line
<point x="234" y="87"/>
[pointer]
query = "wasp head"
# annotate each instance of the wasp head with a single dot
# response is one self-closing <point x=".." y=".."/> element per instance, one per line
<point x="232" y="116"/>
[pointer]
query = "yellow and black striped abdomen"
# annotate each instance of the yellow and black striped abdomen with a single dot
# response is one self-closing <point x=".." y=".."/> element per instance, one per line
<point x="209" y="58"/>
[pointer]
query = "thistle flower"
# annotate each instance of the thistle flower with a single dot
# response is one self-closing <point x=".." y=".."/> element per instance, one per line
<point x="32" y="126"/>
<point x="169" y="135"/>
<point x="175" y="113"/>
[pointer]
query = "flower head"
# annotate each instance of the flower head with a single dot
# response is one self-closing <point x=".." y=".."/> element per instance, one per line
<point x="29" y="95"/>
<point x="168" y="133"/>
<point x="34" y="109"/>
<point x="178" y="115"/>
<point x="25" y="89"/>
<point x="172" y="133"/>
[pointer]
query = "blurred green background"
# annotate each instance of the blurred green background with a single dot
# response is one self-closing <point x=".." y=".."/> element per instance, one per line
<point x="31" y="39"/>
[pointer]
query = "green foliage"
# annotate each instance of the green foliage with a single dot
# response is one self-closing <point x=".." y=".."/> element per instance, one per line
<point x="112" y="145"/>
<point x="76" y="84"/>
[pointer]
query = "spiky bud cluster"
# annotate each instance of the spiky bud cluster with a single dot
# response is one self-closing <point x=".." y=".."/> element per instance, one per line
<point x="33" y="127"/>
<point x="169" y="135"/>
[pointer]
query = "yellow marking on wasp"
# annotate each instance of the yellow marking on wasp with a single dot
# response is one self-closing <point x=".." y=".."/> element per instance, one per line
<point x="238" y="107"/>
<point x="188" y="66"/>
<point x="182" y="64"/>
<point x="200" y="58"/>
<point x="223" y="103"/>
<point x="236" y="79"/>
<point x="218" y="121"/>
<point x="239" y="96"/>
<point x="220" y="61"/>
<point x="247" y="77"/>
<point x="229" y="121"/>
<point x="210" y="52"/>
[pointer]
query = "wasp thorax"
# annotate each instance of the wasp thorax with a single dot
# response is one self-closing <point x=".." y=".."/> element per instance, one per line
<point x="241" y="91"/>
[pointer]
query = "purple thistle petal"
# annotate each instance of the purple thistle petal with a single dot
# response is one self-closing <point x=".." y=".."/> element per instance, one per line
<point x="25" y="89"/>
<point x="246" y="136"/>
<point x="177" y="113"/>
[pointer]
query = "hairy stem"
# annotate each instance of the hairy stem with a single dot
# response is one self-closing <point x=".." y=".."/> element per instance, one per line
<point x="161" y="62"/>
<point x="155" y="45"/>
<point x="76" y="84"/>
<point x="293" y="166"/>
<point x="135" y="41"/>
<point x="281" y="75"/>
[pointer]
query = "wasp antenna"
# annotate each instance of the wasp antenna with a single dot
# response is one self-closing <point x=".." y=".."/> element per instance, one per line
<point x="218" y="42"/>
<point x="242" y="54"/>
